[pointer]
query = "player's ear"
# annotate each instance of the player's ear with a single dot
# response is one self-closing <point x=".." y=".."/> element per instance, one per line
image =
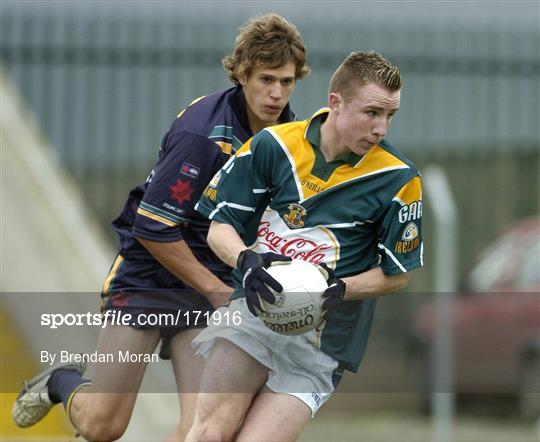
<point x="334" y="101"/>
<point x="242" y="79"/>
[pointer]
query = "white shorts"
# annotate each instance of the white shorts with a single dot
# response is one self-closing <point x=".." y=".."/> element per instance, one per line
<point x="296" y="366"/>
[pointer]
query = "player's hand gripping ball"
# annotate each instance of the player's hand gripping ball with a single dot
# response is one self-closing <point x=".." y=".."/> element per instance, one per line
<point x="334" y="294"/>
<point x="299" y="307"/>
<point x="257" y="282"/>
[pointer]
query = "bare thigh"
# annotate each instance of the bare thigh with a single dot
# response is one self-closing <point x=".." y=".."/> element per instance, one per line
<point x="230" y="381"/>
<point x="114" y="384"/>
<point x="274" y="417"/>
<point x="188" y="369"/>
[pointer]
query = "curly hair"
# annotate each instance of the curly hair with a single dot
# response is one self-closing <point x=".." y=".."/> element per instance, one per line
<point x="269" y="41"/>
<point x="360" y="68"/>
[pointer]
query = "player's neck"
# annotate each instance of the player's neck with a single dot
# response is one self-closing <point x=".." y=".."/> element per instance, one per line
<point x="331" y="147"/>
<point x="256" y="126"/>
<point x="255" y="123"/>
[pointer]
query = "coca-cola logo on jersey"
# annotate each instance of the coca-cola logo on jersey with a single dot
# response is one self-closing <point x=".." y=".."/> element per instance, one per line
<point x="295" y="247"/>
<point x="314" y="244"/>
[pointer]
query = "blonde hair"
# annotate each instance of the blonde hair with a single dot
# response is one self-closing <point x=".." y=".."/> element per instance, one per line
<point x="360" y="68"/>
<point x="269" y="41"/>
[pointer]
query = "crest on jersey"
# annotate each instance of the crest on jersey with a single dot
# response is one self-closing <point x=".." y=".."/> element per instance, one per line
<point x="410" y="232"/>
<point x="295" y="215"/>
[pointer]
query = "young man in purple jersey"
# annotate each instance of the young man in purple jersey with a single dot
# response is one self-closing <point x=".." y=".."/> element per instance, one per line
<point x="164" y="266"/>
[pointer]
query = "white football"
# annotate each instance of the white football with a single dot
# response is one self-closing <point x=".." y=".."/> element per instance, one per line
<point x="298" y="308"/>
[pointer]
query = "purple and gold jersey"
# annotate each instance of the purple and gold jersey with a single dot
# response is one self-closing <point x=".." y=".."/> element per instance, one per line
<point x="199" y="142"/>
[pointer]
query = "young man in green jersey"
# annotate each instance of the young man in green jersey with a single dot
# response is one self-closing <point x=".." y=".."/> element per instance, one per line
<point x="330" y="190"/>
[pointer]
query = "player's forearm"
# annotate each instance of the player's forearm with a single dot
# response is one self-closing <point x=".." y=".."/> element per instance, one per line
<point x="178" y="259"/>
<point x="225" y="242"/>
<point x="374" y="283"/>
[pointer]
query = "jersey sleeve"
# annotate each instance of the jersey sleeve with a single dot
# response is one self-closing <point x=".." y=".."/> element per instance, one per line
<point x="237" y="191"/>
<point x="187" y="162"/>
<point x="400" y="238"/>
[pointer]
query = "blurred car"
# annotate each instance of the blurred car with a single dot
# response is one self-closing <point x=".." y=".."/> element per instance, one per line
<point x="496" y="323"/>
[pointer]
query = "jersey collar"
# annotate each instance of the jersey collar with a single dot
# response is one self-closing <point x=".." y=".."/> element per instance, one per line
<point x="313" y="135"/>
<point x="238" y="105"/>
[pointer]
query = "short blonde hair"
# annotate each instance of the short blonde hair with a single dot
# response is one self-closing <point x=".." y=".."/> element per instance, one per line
<point x="360" y="68"/>
<point x="269" y="41"/>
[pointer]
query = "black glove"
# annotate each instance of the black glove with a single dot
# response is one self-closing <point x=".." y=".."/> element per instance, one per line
<point x="333" y="295"/>
<point x="255" y="278"/>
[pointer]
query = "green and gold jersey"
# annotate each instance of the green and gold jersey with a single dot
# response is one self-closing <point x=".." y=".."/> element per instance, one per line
<point x="353" y="214"/>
